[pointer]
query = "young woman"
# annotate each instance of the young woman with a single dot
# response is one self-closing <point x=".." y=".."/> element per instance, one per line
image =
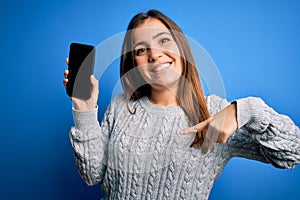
<point x="162" y="138"/>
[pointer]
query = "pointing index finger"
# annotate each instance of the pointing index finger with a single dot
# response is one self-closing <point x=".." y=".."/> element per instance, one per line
<point x="194" y="129"/>
<point x="189" y="130"/>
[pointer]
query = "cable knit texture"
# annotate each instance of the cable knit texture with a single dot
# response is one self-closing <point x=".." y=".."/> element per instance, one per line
<point x="143" y="156"/>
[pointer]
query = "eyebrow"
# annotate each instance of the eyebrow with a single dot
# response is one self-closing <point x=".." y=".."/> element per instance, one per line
<point x="159" y="34"/>
<point x="155" y="36"/>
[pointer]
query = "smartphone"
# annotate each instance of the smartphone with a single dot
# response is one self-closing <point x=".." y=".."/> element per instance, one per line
<point x="81" y="67"/>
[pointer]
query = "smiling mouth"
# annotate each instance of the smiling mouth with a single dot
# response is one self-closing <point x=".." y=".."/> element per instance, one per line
<point x="161" y="67"/>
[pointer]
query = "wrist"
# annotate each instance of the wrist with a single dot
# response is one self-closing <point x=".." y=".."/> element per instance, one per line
<point x="85" y="119"/>
<point x="232" y="110"/>
<point x="84" y="107"/>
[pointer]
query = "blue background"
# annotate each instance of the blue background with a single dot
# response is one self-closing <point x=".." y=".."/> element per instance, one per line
<point x="255" y="45"/>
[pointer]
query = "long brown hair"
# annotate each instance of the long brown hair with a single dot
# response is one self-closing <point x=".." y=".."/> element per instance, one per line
<point x="190" y="94"/>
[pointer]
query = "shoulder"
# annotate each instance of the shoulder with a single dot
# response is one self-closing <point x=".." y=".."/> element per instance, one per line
<point x="120" y="103"/>
<point x="119" y="98"/>
<point x="116" y="103"/>
<point x="215" y="103"/>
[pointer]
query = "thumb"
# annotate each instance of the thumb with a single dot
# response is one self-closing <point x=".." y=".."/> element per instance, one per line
<point x="94" y="83"/>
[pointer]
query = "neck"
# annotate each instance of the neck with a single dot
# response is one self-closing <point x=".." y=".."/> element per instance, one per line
<point x="164" y="97"/>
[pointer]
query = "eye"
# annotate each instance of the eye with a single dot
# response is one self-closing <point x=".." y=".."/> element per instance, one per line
<point x="164" y="40"/>
<point x="140" y="51"/>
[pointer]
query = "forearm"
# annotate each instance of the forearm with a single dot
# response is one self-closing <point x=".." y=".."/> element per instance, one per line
<point x="276" y="135"/>
<point x="88" y="142"/>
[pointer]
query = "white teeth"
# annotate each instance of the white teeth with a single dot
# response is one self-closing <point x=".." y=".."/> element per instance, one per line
<point x="161" y="67"/>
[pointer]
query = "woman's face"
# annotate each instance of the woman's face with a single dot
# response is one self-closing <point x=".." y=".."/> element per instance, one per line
<point x="156" y="54"/>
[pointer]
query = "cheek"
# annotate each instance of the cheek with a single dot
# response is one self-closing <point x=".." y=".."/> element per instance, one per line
<point x="140" y="61"/>
<point x="173" y="49"/>
<point x="143" y="70"/>
<point x="179" y="65"/>
<point x="178" y="61"/>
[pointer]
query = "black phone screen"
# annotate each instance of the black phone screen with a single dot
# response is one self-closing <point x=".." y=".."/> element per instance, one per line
<point x="81" y="67"/>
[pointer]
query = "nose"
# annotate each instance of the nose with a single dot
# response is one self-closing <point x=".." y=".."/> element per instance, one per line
<point x="154" y="54"/>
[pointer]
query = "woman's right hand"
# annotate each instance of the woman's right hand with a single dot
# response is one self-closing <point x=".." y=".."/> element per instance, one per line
<point x="81" y="104"/>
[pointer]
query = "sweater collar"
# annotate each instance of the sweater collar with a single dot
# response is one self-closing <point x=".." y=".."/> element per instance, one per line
<point x="148" y="105"/>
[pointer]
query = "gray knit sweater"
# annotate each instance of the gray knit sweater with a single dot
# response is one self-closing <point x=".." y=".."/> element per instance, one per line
<point x="143" y="156"/>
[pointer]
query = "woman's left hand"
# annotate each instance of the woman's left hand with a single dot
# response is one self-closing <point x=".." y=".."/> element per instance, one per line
<point x="219" y="127"/>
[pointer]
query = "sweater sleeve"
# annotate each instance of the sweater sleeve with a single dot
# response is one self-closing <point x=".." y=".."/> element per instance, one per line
<point x="90" y="142"/>
<point x="265" y="135"/>
<point x="262" y="133"/>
